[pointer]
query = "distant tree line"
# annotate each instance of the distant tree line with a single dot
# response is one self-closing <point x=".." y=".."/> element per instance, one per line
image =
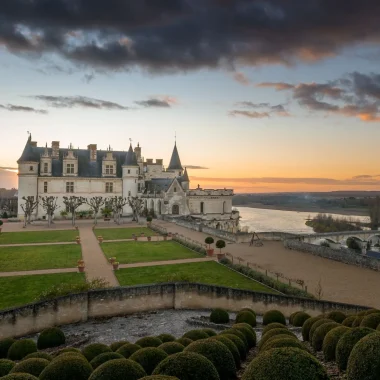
<point x="327" y="223"/>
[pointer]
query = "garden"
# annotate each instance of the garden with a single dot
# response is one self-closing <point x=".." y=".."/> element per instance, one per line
<point x="123" y="233"/>
<point x="31" y="237"/>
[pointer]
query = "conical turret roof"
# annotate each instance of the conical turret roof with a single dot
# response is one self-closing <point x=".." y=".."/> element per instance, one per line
<point x="175" y="162"/>
<point x="28" y="154"/>
<point x="185" y="177"/>
<point x="130" y="158"/>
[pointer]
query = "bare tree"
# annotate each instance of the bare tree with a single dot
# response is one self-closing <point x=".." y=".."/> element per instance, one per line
<point x="49" y="204"/>
<point x="28" y="208"/>
<point x="136" y="204"/>
<point x="319" y="290"/>
<point x="117" y="206"/>
<point x="374" y="213"/>
<point x="72" y="203"/>
<point x="96" y="203"/>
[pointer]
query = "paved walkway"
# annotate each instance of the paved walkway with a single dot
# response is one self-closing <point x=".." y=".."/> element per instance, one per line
<point x="167" y="262"/>
<point x="95" y="262"/>
<point x="41" y="271"/>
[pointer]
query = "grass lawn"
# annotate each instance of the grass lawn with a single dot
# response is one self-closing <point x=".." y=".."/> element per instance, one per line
<point x="38" y="237"/>
<point x="39" y="257"/>
<point x="208" y="272"/>
<point x="20" y="290"/>
<point x="141" y="252"/>
<point x="122" y="233"/>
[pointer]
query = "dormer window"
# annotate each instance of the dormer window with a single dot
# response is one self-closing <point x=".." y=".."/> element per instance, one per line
<point x="46" y="167"/>
<point x="109" y="169"/>
<point x="70" y="168"/>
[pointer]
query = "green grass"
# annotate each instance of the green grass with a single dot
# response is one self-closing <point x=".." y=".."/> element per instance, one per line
<point x="208" y="272"/>
<point x="142" y="252"/>
<point x="20" y="290"/>
<point x="38" y="237"/>
<point x="39" y="257"/>
<point x="122" y="233"/>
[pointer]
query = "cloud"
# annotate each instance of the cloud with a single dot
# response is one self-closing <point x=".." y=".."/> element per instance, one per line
<point x="279" y="86"/>
<point x="195" y="167"/>
<point x="79" y="101"/>
<point x="173" y="35"/>
<point x="17" y="108"/>
<point x="160" y="102"/>
<point x="266" y="110"/>
<point x="88" y="78"/>
<point x="241" y="78"/>
<point x="249" y="114"/>
<point x="8" y="168"/>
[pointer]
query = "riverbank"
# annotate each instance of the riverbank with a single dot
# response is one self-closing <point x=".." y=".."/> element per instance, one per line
<point x="339" y="211"/>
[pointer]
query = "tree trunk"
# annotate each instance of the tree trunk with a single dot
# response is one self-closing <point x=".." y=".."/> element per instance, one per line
<point x="96" y="218"/>
<point x="25" y="220"/>
<point x="73" y="219"/>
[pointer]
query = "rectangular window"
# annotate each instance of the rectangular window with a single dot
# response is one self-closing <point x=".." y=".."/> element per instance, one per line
<point x="70" y="169"/>
<point x="69" y="187"/>
<point x="45" y="187"/>
<point x="30" y="168"/>
<point x="109" y="187"/>
<point x="109" y="169"/>
<point x="46" y="167"/>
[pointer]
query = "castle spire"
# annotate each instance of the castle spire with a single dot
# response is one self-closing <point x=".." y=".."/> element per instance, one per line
<point x="130" y="158"/>
<point x="175" y="162"/>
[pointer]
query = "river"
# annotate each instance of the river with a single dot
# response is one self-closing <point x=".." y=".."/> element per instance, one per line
<point x="262" y="220"/>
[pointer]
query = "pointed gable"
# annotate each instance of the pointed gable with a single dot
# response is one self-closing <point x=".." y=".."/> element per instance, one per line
<point x="175" y="162"/>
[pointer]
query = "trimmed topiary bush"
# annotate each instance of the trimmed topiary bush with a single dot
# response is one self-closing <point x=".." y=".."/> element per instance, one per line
<point x="364" y="361"/>
<point x="93" y="350"/>
<point x="246" y="317"/>
<point x="5" y="344"/>
<point x="218" y="354"/>
<point x="187" y="366"/>
<point x="346" y="344"/>
<point x="195" y="334"/>
<point x="272" y="326"/>
<point x="320" y="333"/>
<point x="231" y="346"/>
<point x="291" y="318"/>
<point x="19" y="376"/>
<point x="33" y="366"/>
<point x="331" y="340"/>
<point x="371" y="321"/>
<point x="272" y="316"/>
<point x="316" y="325"/>
<point x="166" y="338"/>
<point x="336" y="316"/>
<point x="219" y="316"/>
<point x="307" y="326"/>
<point x="300" y="318"/>
<point x="285" y="363"/>
<point x="21" y="348"/>
<point x="118" y="369"/>
<point x="149" y="341"/>
<point x="248" y="309"/>
<point x="349" y="321"/>
<point x="239" y="334"/>
<point x="51" y="337"/>
<point x="116" y="345"/>
<point x="128" y="349"/>
<point x="159" y="377"/>
<point x="5" y="366"/>
<point x="184" y="341"/>
<point x="171" y="347"/>
<point x="275" y="337"/>
<point x="238" y="343"/>
<point x="248" y="332"/>
<point x="357" y="321"/>
<point x="69" y="354"/>
<point x="209" y="332"/>
<point x="105" y="357"/>
<point x="369" y="311"/>
<point x="68" y="349"/>
<point x="149" y="358"/>
<point x="39" y="355"/>
<point x="272" y="333"/>
<point x="281" y="342"/>
<point x="67" y="368"/>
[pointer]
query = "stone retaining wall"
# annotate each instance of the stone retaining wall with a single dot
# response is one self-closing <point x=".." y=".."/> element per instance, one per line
<point x="128" y="300"/>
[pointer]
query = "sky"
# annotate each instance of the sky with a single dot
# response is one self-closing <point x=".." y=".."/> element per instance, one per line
<point x="262" y="96"/>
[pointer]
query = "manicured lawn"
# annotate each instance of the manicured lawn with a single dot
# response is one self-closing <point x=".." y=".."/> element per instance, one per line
<point x="38" y="237"/>
<point x="208" y="272"/>
<point x="122" y="233"/>
<point x="20" y="290"/>
<point x="141" y="252"/>
<point x="39" y="257"/>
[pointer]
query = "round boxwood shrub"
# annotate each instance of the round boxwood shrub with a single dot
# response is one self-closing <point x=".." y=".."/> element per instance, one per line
<point x="184" y="341"/>
<point x="239" y="334"/>
<point x="307" y="326"/>
<point x="69" y="354"/>
<point x="272" y="326"/>
<point x="128" y="349"/>
<point x="68" y="349"/>
<point x="274" y="332"/>
<point x="231" y="346"/>
<point x="209" y="332"/>
<point x="219" y="316"/>
<point x="39" y="355"/>
<point x="291" y="318"/>
<point x="315" y="325"/>
<point x="218" y="354"/>
<point x="5" y="366"/>
<point x="51" y="337"/>
<point x="149" y="341"/>
<point x="364" y="361"/>
<point x="357" y="321"/>
<point x="33" y="366"/>
<point x="166" y="338"/>
<point x="159" y="377"/>
<point x="149" y="358"/>
<point x="171" y="347"/>
<point x="248" y="309"/>
<point x="300" y="318"/>
<point x="19" y="376"/>
<point x="281" y="342"/>
<point x="285" y="363"/>
<point x="195" y="334"/>
<point x="320" y="333"/>
<point x="275" y="337"/>
<point x="118" y="369"/>
<point x="246" y="317"/>
<point x="367" y="312"/>
<point x="187" y="366"/>
<point x="21" y="348"/>
<point x="105" y="357"/>
<point x="248" y="332"/>
<point x="93" y="350"/>
<point x="371" y="321"/>
<point x="238" y="343"/>
<point x="272" y="316"/>
<point x="331" y="340"/>
<point x="336" y="316"/>
<point x="116" y="345"/>
<point x="349" y="321"/>
<point x="4" y="347"/>
<point x="346" y="344"/>
<point x="67" y="368"/>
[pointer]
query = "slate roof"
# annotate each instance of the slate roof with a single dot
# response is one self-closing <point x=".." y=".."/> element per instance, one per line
<point x="157" y="185"/>
<point x="130" y="158"/>
<point x="28" y="152"/>
<point x="175" y="162"/>
<point x="185" y="177"/>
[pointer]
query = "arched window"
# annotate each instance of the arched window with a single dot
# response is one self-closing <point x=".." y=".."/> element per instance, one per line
<point x="175" y="210"/>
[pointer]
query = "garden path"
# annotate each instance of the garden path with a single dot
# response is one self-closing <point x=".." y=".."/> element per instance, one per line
<point x="166" y="262"/>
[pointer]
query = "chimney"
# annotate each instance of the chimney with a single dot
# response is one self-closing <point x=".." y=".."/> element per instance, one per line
<point x="159" y="161"/>
<point x="138" y="151"/>
<point x="55" y="149"/>
<point x="93" y="154"/>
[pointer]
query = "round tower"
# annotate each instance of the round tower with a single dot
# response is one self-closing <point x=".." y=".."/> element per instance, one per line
<point x="130" y="178"/>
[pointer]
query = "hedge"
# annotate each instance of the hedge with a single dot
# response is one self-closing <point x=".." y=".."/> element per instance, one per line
<point x="51" y="337"/>
<point x="128" y="349"/>
<point x="219" y="316"/>
<point x="39" y="355"/>
<point x="149" y="358"/>
<point x="272" y="326"/>
<point x="21" y="348"/>
<point x="307" y="326"/>
<point x="159" y="377"/>
<point x="371" y="321"/>
<point x="248" y="332"/>
<point x="118" y="369"/>
<point x="5" y="366"/>
<point x="336" y="316"/>
<point x="349" y="321"/>
<point x="320" y="333"/>
<point x="93" y="350"/>
<point x="357" y="321"/>
<point x="273" y="316"/>
<point x="272" y="333"/>
<point x="4" y="347"/>
<point x="209" y="332"/>
<point x="238" y="343"/>
<point x="33" y="366"/>
<point x="105" y="357"/>
<point x="166" y="338"/>
<point x="331" y="340"/>
<point x="231" y="346"/>
<point x="195" y="334"/>
<point x="116" y="345"/>
<point x="149" y="341"/>
<point x="300" y="318"/>
<point x="276" y="337"/>
<point x="19" y="376"/>
<point x="239" y="334"/>
<point x="171" y="347"/>
<point x="246" y="317"/>
<point x="184" y="341"/>
<point x="315" y="325"/>
<point x="248" y="309"/>
<point x="284" y="341"/>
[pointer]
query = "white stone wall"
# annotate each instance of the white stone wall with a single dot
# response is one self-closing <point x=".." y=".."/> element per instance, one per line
<point x="211" y="204"/>
<point x="27" y="183"/>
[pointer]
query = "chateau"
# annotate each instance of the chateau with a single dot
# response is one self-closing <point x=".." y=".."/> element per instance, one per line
<point x="59" y="172"/>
